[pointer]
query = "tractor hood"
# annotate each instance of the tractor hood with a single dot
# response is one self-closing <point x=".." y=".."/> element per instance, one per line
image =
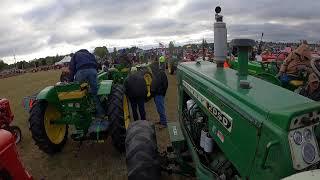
<point x="262" y="101"/>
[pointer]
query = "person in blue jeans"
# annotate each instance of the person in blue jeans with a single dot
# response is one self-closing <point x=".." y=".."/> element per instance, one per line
<point x="159" y="88"/>
<point x="83" y="68"/>
<point x="136" y="90"/>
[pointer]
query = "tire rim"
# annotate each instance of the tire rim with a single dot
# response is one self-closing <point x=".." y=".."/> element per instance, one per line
<point x="126" y="112"/>
<point x="54" y="132"/>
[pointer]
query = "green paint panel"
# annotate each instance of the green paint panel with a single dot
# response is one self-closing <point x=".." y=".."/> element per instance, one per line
<point x="105" y="87"/>
<point x="262" y="97"/>
<point x="49" y="93"/>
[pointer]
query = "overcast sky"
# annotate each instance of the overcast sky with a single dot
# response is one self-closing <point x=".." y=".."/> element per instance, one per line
<point x="37" y="28"/>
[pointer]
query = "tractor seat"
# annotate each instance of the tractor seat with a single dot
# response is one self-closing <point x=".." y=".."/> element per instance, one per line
<point x="296" y="83"/>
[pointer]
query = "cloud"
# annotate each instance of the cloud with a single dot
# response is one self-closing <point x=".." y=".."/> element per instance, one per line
<point x="36" y="28"/>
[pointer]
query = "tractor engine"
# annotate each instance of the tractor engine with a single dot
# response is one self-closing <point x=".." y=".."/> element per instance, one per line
<point x="196" y="123"/>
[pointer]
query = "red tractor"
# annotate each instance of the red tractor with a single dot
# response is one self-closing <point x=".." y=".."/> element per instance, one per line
<point x="6" y="118"/>
<point x="11" y="167"/>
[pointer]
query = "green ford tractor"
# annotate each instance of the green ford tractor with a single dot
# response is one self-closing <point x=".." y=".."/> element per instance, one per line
<point x="231" y="126"/>
<point x="57" y="107"/>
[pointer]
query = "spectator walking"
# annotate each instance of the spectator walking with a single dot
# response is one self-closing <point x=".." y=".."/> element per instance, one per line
<point x="159" y="88"/>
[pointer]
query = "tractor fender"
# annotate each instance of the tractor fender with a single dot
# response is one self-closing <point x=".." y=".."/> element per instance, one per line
<point x="49" y="94"/>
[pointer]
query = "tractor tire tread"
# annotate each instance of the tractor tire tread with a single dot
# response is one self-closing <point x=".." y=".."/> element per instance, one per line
<point x="142" y="156"/>
<point x="115" y="114"/>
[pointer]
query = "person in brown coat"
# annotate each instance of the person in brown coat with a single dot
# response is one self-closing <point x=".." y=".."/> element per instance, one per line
<point x="296" y="62"/>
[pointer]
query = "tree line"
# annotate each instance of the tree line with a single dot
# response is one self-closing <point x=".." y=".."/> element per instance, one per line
<point x="101" y="54"/>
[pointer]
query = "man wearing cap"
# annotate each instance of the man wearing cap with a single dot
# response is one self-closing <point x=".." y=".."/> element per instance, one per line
<point x="311" y="90"/>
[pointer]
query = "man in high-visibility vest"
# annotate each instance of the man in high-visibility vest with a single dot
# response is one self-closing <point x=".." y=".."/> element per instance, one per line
<point x="162" y="62"/>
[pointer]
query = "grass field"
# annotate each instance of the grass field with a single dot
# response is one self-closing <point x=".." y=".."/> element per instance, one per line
<point x="93" y="161"/>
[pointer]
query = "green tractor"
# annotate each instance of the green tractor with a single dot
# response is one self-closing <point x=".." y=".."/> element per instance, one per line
<point x="263" y="70"/>
<point x="268" y="71"/>
<point x="57" y="107"/>
<point x="231" y="126"/>
<point x="118" y="73"/>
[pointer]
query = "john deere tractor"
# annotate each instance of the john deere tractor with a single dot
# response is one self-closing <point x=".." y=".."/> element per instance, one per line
<point x="57" y="107"/>
<point x="231" y="125"/>
<point x="117" y="73"/>
<point x="268" y="71"/>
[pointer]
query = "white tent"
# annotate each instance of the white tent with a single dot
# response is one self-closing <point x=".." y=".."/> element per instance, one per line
<point x="66" y="59"/>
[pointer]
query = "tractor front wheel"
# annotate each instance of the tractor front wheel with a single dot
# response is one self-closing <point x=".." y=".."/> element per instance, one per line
<point x="49" y="137"/>
<point x="118" y="114"/>
<point x="141" y="151"/>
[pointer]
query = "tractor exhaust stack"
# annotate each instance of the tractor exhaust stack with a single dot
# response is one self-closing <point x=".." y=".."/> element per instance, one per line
<point x="220" y="39"/>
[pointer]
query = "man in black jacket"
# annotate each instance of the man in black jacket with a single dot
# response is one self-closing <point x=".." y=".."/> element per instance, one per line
<point x="136" y="90"/>
<point x="159" y="88"/>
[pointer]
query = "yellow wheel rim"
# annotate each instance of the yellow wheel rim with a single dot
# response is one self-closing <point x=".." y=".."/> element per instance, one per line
<point x="54" y="132"/>
<point x="126" y="112"/>
<point x="148" y="79"/>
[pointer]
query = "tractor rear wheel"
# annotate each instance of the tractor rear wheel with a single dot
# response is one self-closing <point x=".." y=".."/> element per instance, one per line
<point x="119" y="115"/>
<point x="141" y="152"/>
<point x="49" y="137"/>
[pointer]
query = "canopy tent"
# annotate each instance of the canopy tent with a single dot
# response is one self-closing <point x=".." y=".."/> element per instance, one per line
<point x="66" y="59"/>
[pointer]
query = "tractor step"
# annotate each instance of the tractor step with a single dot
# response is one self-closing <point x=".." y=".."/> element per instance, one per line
<point x="176" y="136"/>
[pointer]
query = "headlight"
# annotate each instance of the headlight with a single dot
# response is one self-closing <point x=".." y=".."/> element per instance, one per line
<point x="308" y="153"/>
<point x="307" y="134"/>
<point x="297" y="137"/>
